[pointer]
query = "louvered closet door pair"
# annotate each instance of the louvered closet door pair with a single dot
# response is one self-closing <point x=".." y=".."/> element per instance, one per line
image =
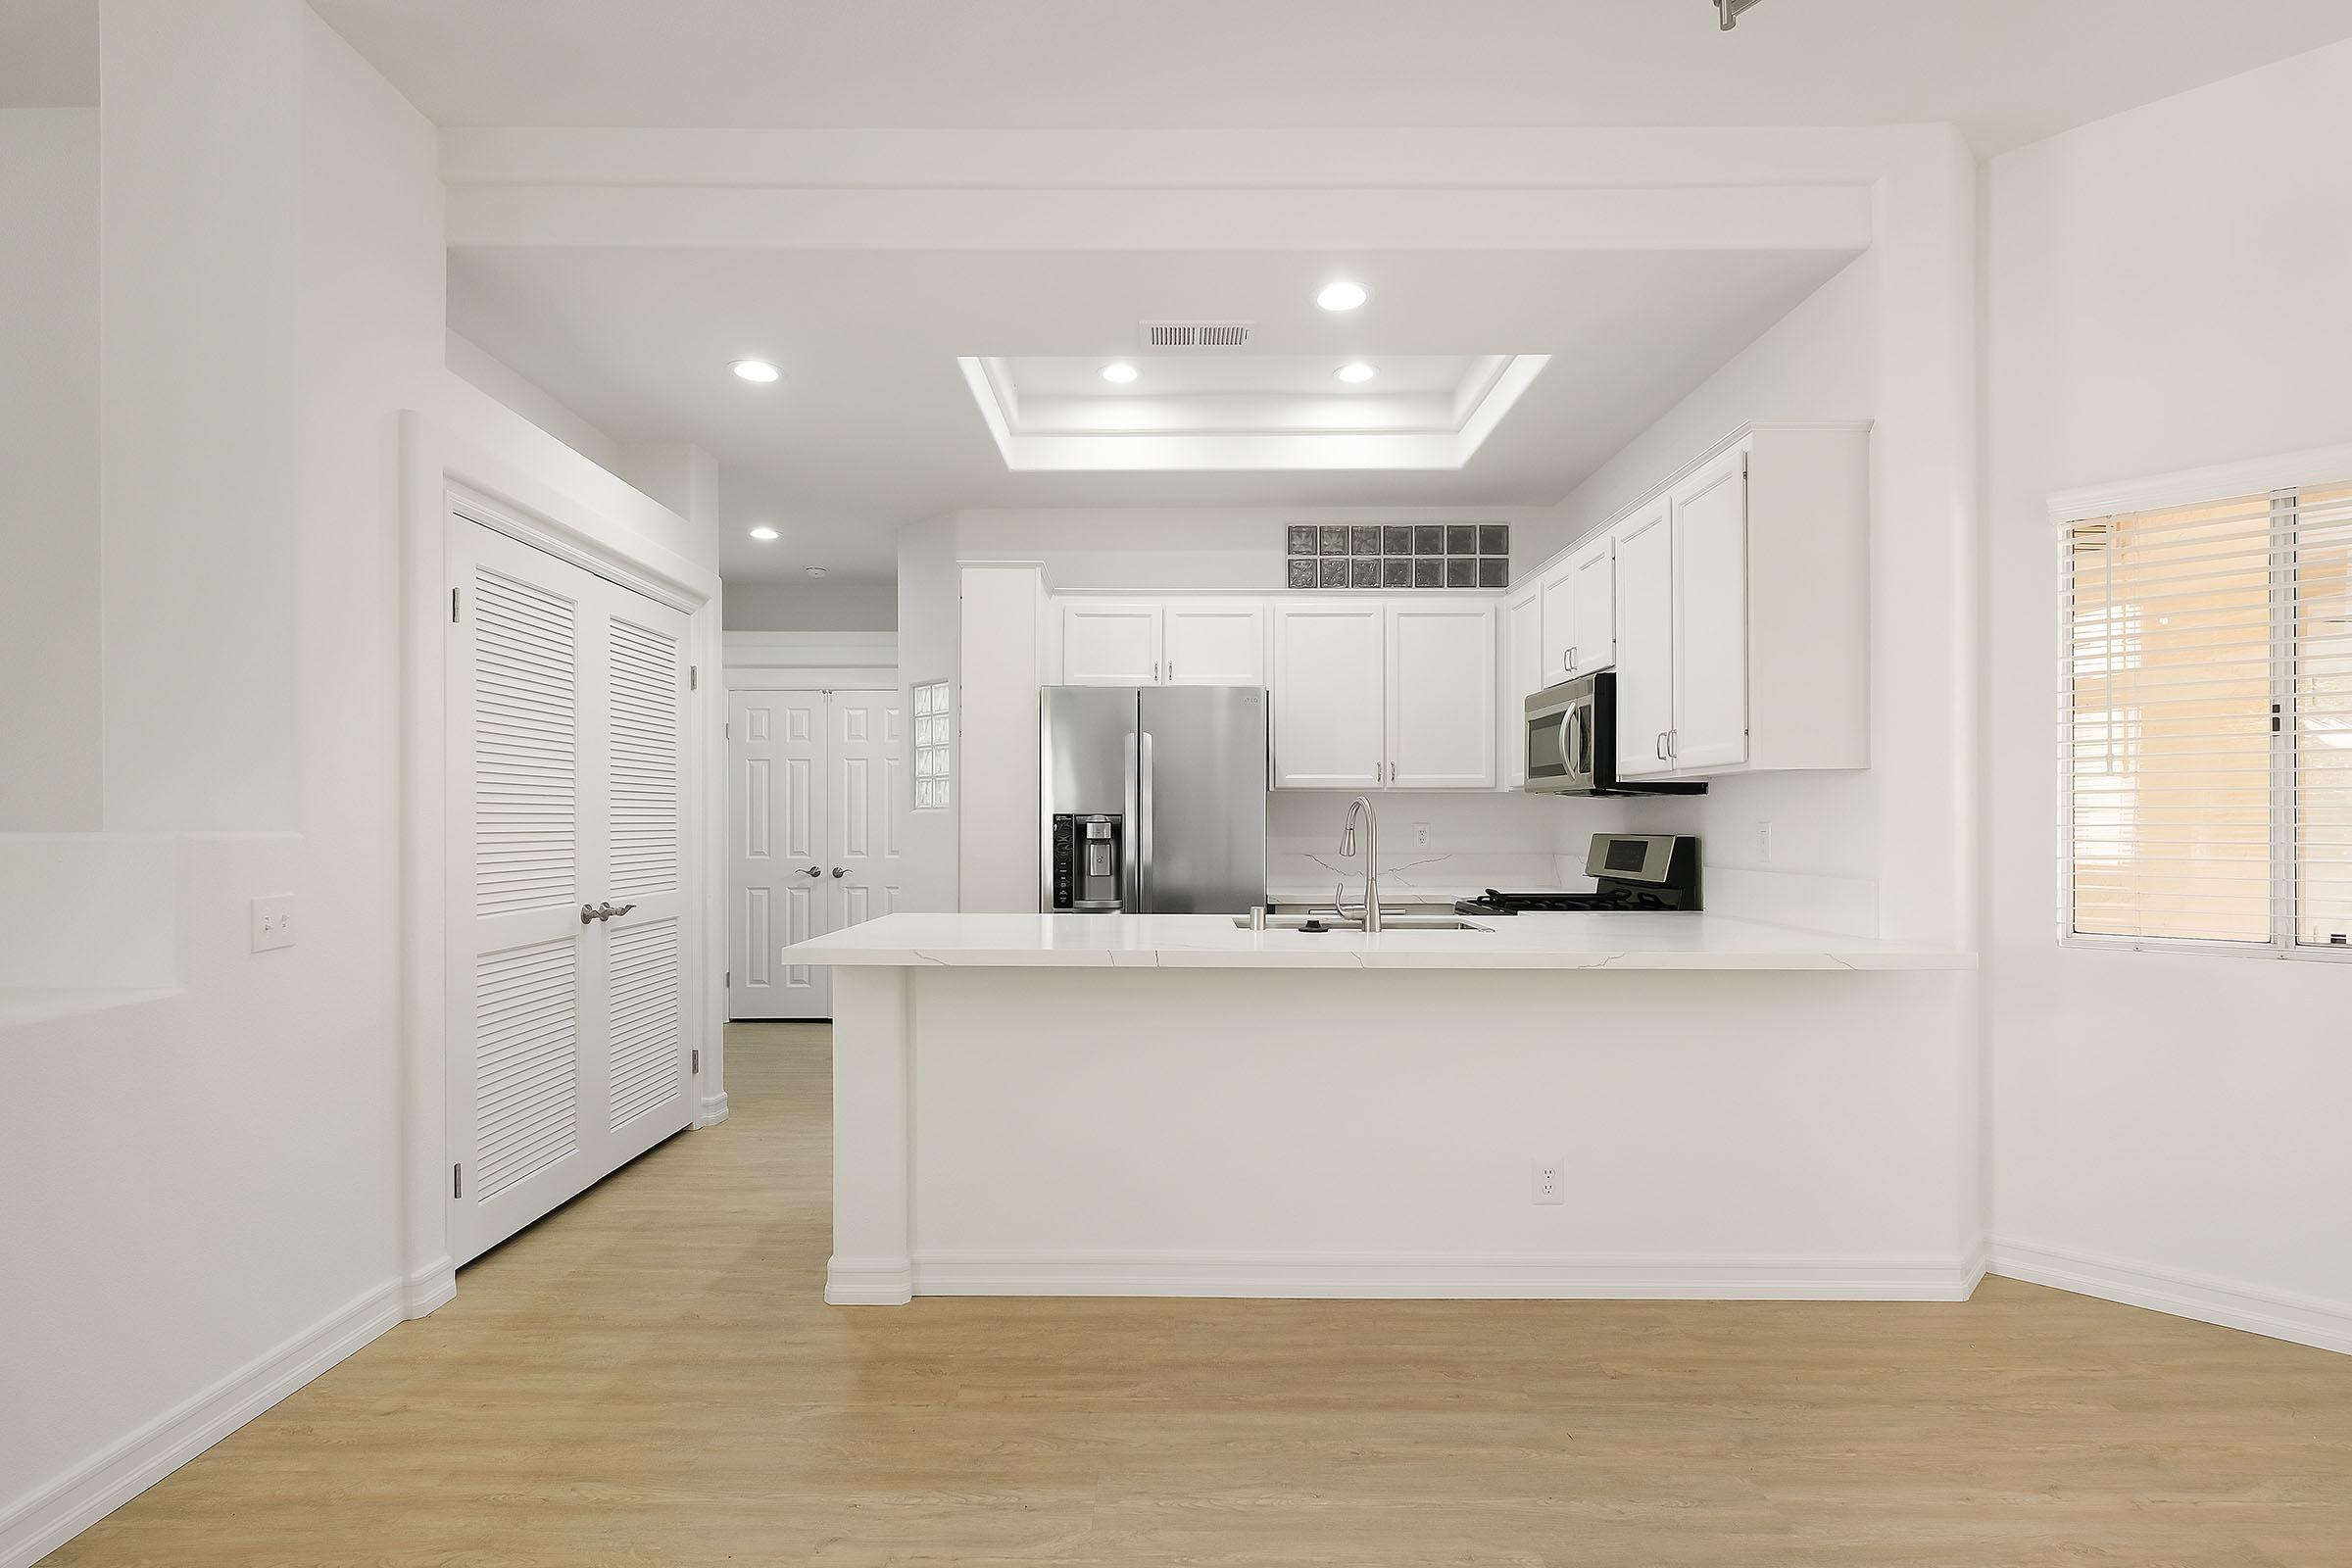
<point x="567" y="766"/>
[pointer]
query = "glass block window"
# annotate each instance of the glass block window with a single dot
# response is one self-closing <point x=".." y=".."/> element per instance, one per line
<point x="1393" y="556"/>
<point x="933" y="728"/>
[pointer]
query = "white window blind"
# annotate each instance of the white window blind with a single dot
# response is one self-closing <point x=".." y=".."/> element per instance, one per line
<point x="2206" y="725"/>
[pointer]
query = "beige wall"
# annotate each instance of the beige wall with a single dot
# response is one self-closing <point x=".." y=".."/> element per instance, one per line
<point x="49" y="654"/>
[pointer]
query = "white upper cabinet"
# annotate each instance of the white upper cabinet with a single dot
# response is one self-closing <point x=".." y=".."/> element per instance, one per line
<point x="1710" y="617"/>
<point x="1214" y="642"/>
<point x="1580" y="611"/>
<point x="1330" y="674"/>
<point x="1593" y="606"/>
<point x="1523" y="673"/>
<point x="1110" y="642"/>
<point x="1743" y="611"/>
<point x="1645" y="644"/>
<point x="1441" y="695"/>
<point x="1557" y="591"/>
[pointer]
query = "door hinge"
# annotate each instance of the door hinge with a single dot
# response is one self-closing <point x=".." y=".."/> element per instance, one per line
<point x="453" y="604"/>
<point x="728" y="728"/>
<point x="730" y="977"/>
<point x="457" y="1181"/>
<point x="698" y="1062"/>
<point x="693" y="677"/>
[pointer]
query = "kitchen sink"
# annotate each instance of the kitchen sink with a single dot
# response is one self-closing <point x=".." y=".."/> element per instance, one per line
<point x="1387" y="922"/>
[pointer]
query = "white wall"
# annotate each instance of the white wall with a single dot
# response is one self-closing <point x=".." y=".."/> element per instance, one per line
<point x="994" y="773"/>
<point x="1365" y="1133"/>
<point x="479" y="368"/>
<point x="200" y="277"/>
<point x="227" y="1182"/>
<point x="208" y="1182"/>
<point x="757" y="606"/>
<point x="1818" y="362"/>
<point x="1186" y="546"/>
<point x="2166" y="290"/>
<point x="49" y="657"/>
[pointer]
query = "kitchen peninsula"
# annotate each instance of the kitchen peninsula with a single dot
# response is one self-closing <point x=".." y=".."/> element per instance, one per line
<point x="1554" y="1106"/>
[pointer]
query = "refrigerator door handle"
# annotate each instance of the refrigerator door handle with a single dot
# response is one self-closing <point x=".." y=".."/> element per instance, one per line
<point x="1143" y="812"/>
<point x="1130" y="848"/>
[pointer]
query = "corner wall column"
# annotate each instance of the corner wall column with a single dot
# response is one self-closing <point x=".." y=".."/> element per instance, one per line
<point x="872" y="1139"/>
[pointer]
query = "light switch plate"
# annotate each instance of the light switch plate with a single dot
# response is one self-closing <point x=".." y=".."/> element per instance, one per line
<point x="274" y="922"/>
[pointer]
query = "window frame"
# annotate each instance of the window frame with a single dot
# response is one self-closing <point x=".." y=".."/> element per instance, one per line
<point x="2280" y="477"/>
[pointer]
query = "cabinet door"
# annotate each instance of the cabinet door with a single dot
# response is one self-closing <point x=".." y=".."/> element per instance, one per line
<point x="1523" y="672"/>
<point x="1593" y="606"/>
<point x="1440" y="688"/>
<point x="1558" y="591"/>
<point x="1710" y="617"/>
<point x="1329" y="674"/>
<point x="1109" y="643"/>
<point x="1214" y="643"/>
<point x="1644" y="643"/>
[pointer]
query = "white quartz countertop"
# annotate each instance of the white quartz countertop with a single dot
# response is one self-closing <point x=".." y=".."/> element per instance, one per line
<point x="1594" y="941"/>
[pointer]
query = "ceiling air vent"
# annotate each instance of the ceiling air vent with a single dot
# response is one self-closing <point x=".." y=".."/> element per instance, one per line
<point x="1195" y="334"/>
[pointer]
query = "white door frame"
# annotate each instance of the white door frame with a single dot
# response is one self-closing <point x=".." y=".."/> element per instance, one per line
<point x="442" y="472"/>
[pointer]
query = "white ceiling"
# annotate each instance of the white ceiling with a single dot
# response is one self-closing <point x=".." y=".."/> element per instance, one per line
<point x="872" y="426"/>
<point x="2006" y="70"/>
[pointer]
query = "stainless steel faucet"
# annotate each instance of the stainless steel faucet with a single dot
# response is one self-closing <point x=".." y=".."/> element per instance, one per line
<point x="1361" y="805"/>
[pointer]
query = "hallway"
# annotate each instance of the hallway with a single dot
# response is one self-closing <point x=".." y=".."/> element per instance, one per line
<point x="648" y="1376"/>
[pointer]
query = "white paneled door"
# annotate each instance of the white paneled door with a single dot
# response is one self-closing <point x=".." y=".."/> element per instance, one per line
<point x="815" y="797"/>
<point x="775" y="851"/>
<point x="865" y="773"/>
<point x="567" y="728"/>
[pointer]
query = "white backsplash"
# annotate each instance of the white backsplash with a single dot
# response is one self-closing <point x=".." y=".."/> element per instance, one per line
<point x="1476" y="842"/>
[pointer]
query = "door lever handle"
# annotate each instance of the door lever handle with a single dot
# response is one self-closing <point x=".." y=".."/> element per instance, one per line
<point x="810" y="871"/>
<point x="841" y="870"/>
<point x="606" y="911"/>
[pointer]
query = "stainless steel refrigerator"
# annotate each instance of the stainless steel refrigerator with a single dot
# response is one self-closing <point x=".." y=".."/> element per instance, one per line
<point x="1153" y="799"/>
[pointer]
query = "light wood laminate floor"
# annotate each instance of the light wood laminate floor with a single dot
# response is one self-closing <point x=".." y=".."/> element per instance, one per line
<point x="649" y="1377"/>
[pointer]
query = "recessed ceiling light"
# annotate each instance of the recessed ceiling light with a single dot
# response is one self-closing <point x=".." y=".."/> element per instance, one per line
<point x="1340" y="296"/>
<point x="1357" y="372"/>
<point x="814" y="572"/>
<point x="763" y="531"/>
<point x="1121" y="372"/>
<point x="753" y="370"/>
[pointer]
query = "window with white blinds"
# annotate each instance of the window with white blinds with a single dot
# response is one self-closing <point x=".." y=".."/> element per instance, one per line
<point x="2206" y="746"/>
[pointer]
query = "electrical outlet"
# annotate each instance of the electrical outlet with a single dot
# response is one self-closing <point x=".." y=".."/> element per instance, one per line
<point x="1763" y="843"/>
<point x="274" y="922"/>
<point x="1550" y="1185"/>
<point x="1420" y="835"/>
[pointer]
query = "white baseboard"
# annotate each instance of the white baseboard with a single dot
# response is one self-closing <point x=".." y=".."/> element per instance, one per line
<point x="38" y="1524"/>
<point x="868" y="1281"/>
<point x="430" y="1287"/>
<point x="714" y="1110"/>
<point x="1449" y="1276"/>
<point x="2231" y="1303"/>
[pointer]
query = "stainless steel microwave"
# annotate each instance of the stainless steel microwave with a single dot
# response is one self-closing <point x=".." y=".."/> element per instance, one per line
<point x="1571" y="742"/>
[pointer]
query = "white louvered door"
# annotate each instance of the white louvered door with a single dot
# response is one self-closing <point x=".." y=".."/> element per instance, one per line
<point x="567" y="766"/>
